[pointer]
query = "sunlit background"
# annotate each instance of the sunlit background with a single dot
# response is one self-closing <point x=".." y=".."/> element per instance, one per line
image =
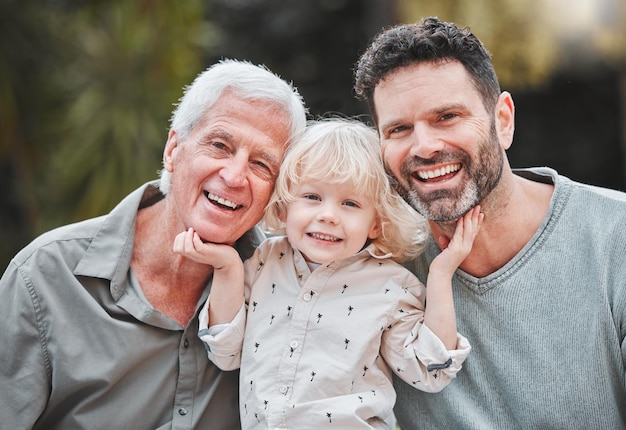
<point x="87" y="87"/>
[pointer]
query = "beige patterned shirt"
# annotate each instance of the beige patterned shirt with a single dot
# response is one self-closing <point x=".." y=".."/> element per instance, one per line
<point x="320" y="346"/>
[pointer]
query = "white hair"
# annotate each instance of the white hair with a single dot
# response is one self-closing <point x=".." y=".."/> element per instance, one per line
<point x="244" y="79"/>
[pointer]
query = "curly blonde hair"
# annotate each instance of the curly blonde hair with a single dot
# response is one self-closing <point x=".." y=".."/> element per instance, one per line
<point x="340" y="150"/>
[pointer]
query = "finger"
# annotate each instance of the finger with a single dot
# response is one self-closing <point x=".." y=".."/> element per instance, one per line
<point x="473" y="224"/>
<point x="471" y="219"/>
<point x="443" y="242"/>
<point x="458" y="231"/>
<point x="197" y="242"/>
<point x="476" y="212"/>
<point x="189" y="240"/>
<point x="179" y="242"/>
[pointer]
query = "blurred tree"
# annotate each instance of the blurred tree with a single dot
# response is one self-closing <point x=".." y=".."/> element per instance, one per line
<point x="86" y="90"/>
<point x="30" y="43"/>
<point x="314" y="43"/>
<point x="531" y="40"/>
<point x="132" y="60"/>
<point x="87" y="87"/>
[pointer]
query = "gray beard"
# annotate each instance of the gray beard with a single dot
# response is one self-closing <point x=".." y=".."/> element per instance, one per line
<point x="444" y="206"/>
<point x="450" y="204"/>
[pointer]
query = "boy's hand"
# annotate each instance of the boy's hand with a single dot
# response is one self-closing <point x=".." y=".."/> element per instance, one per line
<point x="189" y="245"/>
<point x="454" y="251"/>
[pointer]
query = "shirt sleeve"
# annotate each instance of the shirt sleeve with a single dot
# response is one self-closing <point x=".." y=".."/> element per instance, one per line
<point x="225" y="341"/>
<point x="223" y="345"/>
<point x="24" y="359"/>
<point x="412" y="350"/>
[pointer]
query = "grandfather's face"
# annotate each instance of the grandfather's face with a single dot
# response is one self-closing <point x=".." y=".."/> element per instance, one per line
<point x="224" y="171"/>
<point x="440" y="144"/>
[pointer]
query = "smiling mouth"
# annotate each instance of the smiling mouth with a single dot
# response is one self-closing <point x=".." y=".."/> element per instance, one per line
<point x="324" y="237"/>
<point x="221" y="202"/>
<point x="438" y="174"/>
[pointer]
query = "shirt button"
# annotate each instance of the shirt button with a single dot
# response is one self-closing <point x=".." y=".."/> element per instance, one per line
<point x="294" y="344"/>
<point x="182" y="411"/>
<point x="306" y="297"/>
<point x="283" y="389"/>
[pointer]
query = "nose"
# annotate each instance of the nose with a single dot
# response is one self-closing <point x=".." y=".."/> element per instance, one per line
<point x="234" y="172"/>
<point x="327" y="213"/>
<point x="425" y="142"/>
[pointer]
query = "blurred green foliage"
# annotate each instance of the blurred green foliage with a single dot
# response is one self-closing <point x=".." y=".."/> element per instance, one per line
<point x="133" y="59"/>
<point x="87" y="87"/>
<point x="530" y="40"/>
<point x="86" y="91"/>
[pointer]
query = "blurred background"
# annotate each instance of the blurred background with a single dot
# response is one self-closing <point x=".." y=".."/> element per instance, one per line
<point x="87" y="87"/>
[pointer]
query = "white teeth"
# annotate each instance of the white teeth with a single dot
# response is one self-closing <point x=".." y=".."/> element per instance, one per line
<point x="222" y="201"/>
<point x="439" y="172"/>
<point x="324" y="237"/>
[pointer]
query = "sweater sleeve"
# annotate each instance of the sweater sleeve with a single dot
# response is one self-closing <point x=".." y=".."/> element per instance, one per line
<point x="412" y="350"/>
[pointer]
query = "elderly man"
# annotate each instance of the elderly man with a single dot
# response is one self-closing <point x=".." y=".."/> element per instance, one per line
<point x="100" y="317"/>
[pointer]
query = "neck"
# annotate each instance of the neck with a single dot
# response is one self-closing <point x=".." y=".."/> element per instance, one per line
<point x="172" y="284"/>
<point x="513" y="213"/>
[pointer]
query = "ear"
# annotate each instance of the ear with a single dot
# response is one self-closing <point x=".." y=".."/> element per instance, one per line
<point x="169" y="153"/>
<point x="505" y="119"/>
<point x="376" y="230"/>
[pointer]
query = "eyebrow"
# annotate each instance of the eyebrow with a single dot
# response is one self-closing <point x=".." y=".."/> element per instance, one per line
<point x="226" y="136"/>
<point x="389" y="125"/>
<point x="450" y="106"/>
<point x="434" y="111"/>
<point x="219" y="133"/>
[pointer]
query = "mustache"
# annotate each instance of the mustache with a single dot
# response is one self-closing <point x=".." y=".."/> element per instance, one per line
<point x="410" y="164"/>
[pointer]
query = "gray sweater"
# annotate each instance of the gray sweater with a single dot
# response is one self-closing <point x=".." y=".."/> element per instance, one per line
<point x="547" y="330"/>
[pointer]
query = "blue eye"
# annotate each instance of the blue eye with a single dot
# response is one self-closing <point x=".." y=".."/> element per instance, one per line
<point x="351" y="204"/>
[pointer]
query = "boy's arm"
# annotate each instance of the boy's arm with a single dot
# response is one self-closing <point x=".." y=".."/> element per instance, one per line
<point x="227" y="296"/>
<point x="227" y="289"/>
<point x="413" y="351"/>
<point x="223" y="342"/>
<point x="439" y="315"/>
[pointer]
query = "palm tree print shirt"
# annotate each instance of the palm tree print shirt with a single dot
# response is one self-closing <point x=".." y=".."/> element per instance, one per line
<point x="320" y="346"/>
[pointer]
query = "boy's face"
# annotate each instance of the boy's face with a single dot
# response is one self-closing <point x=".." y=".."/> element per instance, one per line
<point x="328" y="222"/>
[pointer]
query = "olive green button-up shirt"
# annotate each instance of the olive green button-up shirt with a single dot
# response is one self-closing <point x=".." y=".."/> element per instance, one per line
<point x="82" y="348"/>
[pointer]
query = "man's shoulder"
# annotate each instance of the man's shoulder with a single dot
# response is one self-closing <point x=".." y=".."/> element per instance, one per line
<point x="619" y="197"/>
<point x="74" y="235"/>
<point x="594" y="203"/>
<point x="595" y="197"/>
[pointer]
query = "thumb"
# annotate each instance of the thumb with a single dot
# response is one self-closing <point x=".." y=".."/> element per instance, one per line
<point x="443" y="242"/>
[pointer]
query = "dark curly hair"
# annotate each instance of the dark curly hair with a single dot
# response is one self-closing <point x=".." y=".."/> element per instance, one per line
<point x="431" y="40"/>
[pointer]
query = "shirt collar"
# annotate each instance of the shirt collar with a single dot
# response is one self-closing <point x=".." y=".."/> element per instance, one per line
<point x="110" y="251"/>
